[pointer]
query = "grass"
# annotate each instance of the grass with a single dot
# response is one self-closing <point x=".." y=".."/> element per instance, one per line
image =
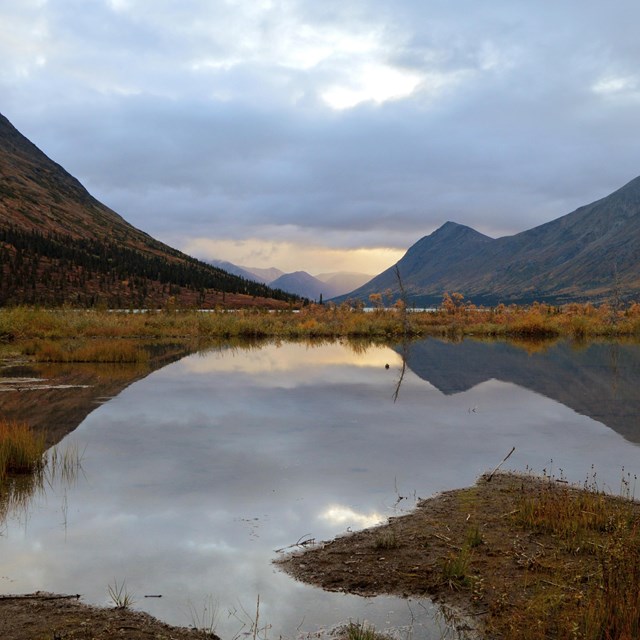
<point x="204" y="620"/>
<point x="96" y="350"/>
<point x="386" y="540"/>
<point x="596" y="596"/>
<point x="119" y="595"/>
<point x="21" y="449"/>
<point x="579" y="321"/>
<point x="361" y="631"/>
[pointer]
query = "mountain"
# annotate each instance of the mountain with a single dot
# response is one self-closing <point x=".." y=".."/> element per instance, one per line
<point x="327" y="285"/>
<point x="591" y="254"/>
<point x="301" y="283"/>
<point x="428" y="260"/>
<point x="264" y="275"/>
<point x="340" y="282"/>
<point x="59" y="245"/>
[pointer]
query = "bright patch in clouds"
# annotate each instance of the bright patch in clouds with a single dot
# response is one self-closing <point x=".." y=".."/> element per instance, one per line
<point x="615" y="85"/>
<point x="373" y="82"/>
<point x="290" y="256"/>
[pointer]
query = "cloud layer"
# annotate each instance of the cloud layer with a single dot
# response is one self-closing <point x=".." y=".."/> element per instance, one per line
<point x="296" y="129"/>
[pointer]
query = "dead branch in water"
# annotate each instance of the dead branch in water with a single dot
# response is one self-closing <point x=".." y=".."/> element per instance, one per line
<point x="503" y="461"/>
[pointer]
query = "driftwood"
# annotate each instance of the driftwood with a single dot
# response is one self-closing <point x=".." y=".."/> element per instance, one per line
<point x="493" y="473"/>
<point x="41" y="596"/>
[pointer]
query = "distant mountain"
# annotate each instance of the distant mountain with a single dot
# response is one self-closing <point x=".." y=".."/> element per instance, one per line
<point x="264" y="275"/>
<point x="340" y="282"/>
<point x="60" y="245"/>
<point x="592" y="254"/>
<point x="327" y="285"/>
<point x="301" y="283"/>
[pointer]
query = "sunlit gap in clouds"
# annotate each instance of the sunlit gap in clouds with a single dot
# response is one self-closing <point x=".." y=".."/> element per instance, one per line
<point x="291" y="256"/>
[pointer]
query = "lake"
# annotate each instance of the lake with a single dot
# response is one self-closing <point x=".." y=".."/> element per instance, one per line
<point x="194" y="476"/>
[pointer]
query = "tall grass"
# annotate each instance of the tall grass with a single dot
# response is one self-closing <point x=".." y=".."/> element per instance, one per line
<point x="454" y="318"/>
<point x="592" y="591"/>
<point x="21" y="449"/>
<point x="103" y="351"/>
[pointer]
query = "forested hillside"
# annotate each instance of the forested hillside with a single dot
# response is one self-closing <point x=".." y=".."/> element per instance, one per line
<point x="59" y="245"/>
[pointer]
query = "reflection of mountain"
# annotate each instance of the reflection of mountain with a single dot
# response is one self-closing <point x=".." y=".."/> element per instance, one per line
<point x="599" y="380"/>
<point x="57" y="398"/>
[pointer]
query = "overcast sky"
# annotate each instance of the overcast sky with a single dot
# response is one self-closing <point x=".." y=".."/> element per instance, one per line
<point x="327" y="134"/>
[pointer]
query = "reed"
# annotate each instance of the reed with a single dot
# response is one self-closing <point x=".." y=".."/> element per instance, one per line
<point x="102" y="351"/>
<point x="21" y="449"/>
<point x="454" y="318"/>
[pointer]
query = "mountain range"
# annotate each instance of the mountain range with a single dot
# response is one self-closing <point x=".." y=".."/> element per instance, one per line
<point x="322" y="286"/>
<point x="59" y="245"/>
<point x="590" y="254"/>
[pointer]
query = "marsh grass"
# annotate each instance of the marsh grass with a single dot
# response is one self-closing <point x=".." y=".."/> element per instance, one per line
<point x="97" y="351"/>
<point x="119" y="596"/>
<point x="589" y="588"/>
<point x="361" y="631"/>
<point x="455" y="568"/>
<point x="455" y="319"/>
<point x="204" y="619"/>
<point x="21" y="449"/>
<point x="386" y="540"/>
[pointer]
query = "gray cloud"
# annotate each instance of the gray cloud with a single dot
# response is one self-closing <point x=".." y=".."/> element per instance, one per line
<point x="204" y="119"/>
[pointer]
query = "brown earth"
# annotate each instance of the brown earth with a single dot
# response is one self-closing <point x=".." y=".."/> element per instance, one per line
<point x="43" y="616"/>
<point x="467" y="550"/>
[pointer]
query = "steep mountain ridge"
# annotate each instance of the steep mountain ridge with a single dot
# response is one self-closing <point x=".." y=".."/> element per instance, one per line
<point x="591" y="253"/>
<point x="59" y="245"/>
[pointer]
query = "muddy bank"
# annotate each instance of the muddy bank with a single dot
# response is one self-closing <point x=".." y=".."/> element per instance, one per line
<point x="54" y="617"/>
<point x="489" y="552"/>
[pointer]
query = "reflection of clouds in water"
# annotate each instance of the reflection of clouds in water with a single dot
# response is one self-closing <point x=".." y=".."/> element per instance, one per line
<point x="340" y="515"/>
<point x="288" y="357"/>
<point x="195" y="476"/>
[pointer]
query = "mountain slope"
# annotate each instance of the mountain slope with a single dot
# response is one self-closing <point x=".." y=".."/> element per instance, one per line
<point x="59" y="245"/>
<point x="428" y="260"/>
<point x="592" y="253"/>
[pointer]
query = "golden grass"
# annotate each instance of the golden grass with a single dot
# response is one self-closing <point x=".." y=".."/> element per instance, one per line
<point x="99" y="351"/>
<point x="21" y="449"/>
<point x="587" y="585"/>
<point x="452" y="320"/>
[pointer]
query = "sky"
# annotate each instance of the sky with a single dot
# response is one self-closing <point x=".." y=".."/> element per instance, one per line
<point x="327" y="136"/>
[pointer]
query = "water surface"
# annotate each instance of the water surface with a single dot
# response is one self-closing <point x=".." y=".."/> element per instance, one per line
<point x="196" y="474"/>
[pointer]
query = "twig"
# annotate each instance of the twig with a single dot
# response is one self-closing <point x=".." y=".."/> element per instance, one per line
<point x="503" y="461"/>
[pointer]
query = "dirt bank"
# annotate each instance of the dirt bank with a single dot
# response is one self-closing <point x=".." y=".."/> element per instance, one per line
<point x="43" y="616"/>
<point x="488" y="551"/>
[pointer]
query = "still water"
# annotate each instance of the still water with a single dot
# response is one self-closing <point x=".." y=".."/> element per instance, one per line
<point x="194" y="476"/>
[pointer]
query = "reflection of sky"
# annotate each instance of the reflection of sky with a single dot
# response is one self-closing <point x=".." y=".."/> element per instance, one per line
<point x="196" y="474"/>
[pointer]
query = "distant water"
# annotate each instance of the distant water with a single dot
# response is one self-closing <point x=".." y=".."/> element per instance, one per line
<point x="195" y="475"/>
